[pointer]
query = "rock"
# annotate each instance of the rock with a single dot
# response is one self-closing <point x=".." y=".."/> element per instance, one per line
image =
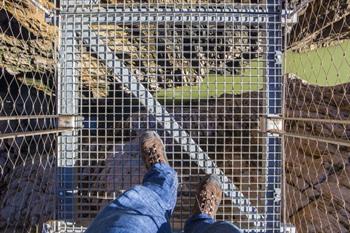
<point x="317" y="173"/>
<point x="321" y="24"/>
<point x="24" y="203"/>
<point x="294" y="193"/>
<point x="322" y="220"/>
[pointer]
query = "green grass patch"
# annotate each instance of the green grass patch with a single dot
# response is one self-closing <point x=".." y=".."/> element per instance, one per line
<point x="326" y="66"/>
<point x="251" y="79"/>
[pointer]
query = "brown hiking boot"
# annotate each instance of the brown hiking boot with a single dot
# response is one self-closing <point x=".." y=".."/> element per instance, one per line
<point x="208" y="196"/>
<point x="152" y="149"/>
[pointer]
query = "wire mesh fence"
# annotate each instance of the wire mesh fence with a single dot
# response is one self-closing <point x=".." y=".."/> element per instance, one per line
<point x="199" y="73"/>
<point x="27" y="117"/>
<point x="317" y="118"/>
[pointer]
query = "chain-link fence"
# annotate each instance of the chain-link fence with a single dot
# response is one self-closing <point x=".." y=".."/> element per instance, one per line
<point x="316" y="106"/>
<point x="28" y="122"/>
<point x="317" y="117"/>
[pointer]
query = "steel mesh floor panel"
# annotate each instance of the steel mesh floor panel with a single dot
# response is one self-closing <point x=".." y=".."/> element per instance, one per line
<point x="198" y="76"/>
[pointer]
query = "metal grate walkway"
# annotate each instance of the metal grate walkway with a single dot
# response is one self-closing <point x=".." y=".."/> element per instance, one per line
<point x="127" y="69"/>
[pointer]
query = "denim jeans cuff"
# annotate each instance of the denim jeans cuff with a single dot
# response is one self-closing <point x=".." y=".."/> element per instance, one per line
<point x="201" y="216"/>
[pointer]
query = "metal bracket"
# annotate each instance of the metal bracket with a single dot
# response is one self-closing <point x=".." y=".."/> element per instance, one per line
<point x="288" y="228"/>
<point x="278" y="57"/>
<point x="289" y="17"/>
<point x="271" y="125"/>
<point x="277" y="195"/>
<point x="70" y="121"/>
<point x="274" y="124"/>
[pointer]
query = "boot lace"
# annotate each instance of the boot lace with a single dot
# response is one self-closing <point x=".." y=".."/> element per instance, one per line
<point x="207" y="202"/>
<point x="152" y="154"/>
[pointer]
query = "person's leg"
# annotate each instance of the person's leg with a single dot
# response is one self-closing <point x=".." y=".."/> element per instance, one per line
<point x="208" y="199"/>
<point x="223" y="227"/>
<point x="198" y="223"/>
<point x="203" y="223"/>
<point x="162" y="180"/>
<point x="144" y="208"/>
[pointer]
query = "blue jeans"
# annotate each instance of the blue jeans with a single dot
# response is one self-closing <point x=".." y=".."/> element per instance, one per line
<point x="147" y="208"/>
<point x="203" y="223"/>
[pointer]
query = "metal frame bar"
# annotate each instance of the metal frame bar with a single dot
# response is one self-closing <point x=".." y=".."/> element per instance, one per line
<point x="165" y="9"/>
<point x="274" y="107"/>
<point x="28" y="117"/>
<point x="169" y="15"/>
<point x="163" y="18"/>
<point x="34" y="133"/>
<point x="318" y="120"/>
<point x="41" y="7"/>
<point x="67" y="106"/>
<point x="338" y="142"/>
